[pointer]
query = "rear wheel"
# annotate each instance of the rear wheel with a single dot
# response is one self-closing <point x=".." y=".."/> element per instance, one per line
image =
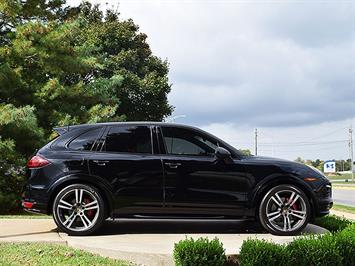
<point x="284" y="210"/>
<point x="79" y="209"/>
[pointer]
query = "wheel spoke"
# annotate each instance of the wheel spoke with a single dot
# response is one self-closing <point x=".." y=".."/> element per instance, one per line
<point x="279" y="203"/>
<point x="291" y="198"/>
<point x="70" y="219"/>
<point x="78" y="195"/>
<point x="64" y="207"/>
<point x="288" y="222"/>
<point x="81" y="195"/>
<point x="294" y="200"/>
<point x="272" y="213"/>
<point x="297" y="215"/>
<point x="90" y="204"/>
<point x="300" y="212"/>
<point x="278" y="198"/>
<point x="91" y="207"/>
<point x="65" y="203"/>
<point x="275" y="217"/>
<point x="87" y="219"/>
<point x="285" y="223"/>
<point x="83" y="221"/>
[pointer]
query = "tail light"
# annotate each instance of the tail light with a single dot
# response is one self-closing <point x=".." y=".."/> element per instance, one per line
<point x="27" y="204"/>
<point x="37" y="162"/>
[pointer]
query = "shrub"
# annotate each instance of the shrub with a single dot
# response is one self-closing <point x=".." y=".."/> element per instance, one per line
<point x="190" y="252"/>
<point x="332" y="223"/>
<point x="260" y="252"/>
<point x="313" y="250"/>
<point x="346" y="244"/>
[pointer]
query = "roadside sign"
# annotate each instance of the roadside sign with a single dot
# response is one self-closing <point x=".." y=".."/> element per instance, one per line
<point x="329" y="167"/>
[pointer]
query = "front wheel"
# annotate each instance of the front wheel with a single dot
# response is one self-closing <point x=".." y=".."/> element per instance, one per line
<point x="79" y="210"/>
<point x="284" y="210"/>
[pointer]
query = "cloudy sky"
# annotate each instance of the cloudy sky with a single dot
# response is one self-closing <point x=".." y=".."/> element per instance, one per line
<point x="284" y="67"/>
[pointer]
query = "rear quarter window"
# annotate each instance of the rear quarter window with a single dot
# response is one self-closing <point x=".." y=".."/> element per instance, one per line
<point x="85" y="141"/>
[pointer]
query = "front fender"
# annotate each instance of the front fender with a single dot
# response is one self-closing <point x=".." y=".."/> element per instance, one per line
<point x="266" y="184"/>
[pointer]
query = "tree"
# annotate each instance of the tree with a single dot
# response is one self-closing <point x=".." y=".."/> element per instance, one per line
<point x="62" y="65"/>
<point x="246" y="152"/>
<point x="299" y="160"/>
<point x="122" y="52"/>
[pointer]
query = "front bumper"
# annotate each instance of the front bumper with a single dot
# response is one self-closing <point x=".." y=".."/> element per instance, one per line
<point x="324" y="200"/>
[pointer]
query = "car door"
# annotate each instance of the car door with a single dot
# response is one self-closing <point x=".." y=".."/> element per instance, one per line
<point x="126" y="161"/>
<point x="196" y="183"/>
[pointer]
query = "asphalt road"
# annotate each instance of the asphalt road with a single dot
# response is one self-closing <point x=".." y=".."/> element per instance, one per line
<point x="344" y="196"/>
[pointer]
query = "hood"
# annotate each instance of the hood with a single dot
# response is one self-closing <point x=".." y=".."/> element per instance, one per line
<point x="288" y="166"/>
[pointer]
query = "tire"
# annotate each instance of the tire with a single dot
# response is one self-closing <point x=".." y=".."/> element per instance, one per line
<point x="284" y="210"/>
<point x="79" y="210"/>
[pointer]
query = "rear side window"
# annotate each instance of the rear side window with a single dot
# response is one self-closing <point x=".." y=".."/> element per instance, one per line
<point x="85" y="141"/>
<point x="131" y="139"/>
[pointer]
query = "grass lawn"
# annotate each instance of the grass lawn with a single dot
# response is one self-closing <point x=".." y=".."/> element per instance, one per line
<point x="344" y="176"/>
<point x="343" y="208"/>
<point x="50" y="254"/>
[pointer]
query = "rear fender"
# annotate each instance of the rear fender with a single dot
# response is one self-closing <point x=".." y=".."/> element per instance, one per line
<point x="102" y="185"/>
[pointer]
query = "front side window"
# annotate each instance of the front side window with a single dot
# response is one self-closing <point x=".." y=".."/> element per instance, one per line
<point x="85" y="141"/>
<point x="128" y="139"/>
<point x="180" y="141"/>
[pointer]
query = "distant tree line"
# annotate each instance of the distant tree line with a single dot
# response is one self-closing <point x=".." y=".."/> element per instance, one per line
<point x="341" y="165"/>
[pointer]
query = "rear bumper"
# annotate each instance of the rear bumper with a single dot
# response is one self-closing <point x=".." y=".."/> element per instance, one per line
<point x="35" y="200"/>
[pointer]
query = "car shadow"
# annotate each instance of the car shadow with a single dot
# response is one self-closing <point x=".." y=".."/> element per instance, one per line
<point x="154" y="226"/>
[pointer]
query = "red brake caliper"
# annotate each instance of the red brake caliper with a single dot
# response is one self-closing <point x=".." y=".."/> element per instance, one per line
<point x="90" y="213"/>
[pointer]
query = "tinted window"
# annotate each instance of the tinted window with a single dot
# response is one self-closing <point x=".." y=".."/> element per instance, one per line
<point x="85" y="141"/>
<point x="133" y="139"/>
<point x="181" y="141"/>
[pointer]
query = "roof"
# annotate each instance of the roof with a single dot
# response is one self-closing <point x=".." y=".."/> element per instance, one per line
<point x="63" y="129"/>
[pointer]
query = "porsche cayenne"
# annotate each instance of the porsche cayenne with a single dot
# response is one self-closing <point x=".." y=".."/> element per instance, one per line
<point x="158" y="170"/>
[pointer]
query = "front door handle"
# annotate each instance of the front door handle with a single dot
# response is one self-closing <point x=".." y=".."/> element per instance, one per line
<point x="100" y="162"/>
<point x="173" y="165"/>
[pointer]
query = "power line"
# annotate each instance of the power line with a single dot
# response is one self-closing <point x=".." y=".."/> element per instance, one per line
<point x="303" y="143"/>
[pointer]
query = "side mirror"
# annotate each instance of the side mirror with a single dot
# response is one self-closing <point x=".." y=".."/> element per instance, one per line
<point x="223" y="155"/>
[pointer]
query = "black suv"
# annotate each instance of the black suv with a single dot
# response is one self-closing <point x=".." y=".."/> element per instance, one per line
<point x="159" y="170"/>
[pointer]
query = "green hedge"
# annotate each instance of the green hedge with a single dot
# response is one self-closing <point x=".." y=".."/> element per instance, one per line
<point x="346" y="241"/>
<point x="332" y="223"/>
<point x="314" y="250"/>
<point x="190" y="252"/>
<point x="329" y="249"/>
<point x="260" y="252"/>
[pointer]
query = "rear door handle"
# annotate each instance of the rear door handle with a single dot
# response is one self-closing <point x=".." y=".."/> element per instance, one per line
<point x="173" y="165"/>
<point x="100" y="162"/>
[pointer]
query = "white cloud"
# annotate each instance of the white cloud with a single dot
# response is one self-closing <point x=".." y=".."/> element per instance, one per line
<point x="287" y="66"/>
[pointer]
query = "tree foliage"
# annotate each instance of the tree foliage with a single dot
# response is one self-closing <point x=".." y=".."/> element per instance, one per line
<point x="63" y="65"/>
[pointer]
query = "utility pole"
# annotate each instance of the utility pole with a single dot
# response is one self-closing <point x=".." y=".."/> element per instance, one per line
<point x="351" y="153"/>
<point x="256" y="141"/>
